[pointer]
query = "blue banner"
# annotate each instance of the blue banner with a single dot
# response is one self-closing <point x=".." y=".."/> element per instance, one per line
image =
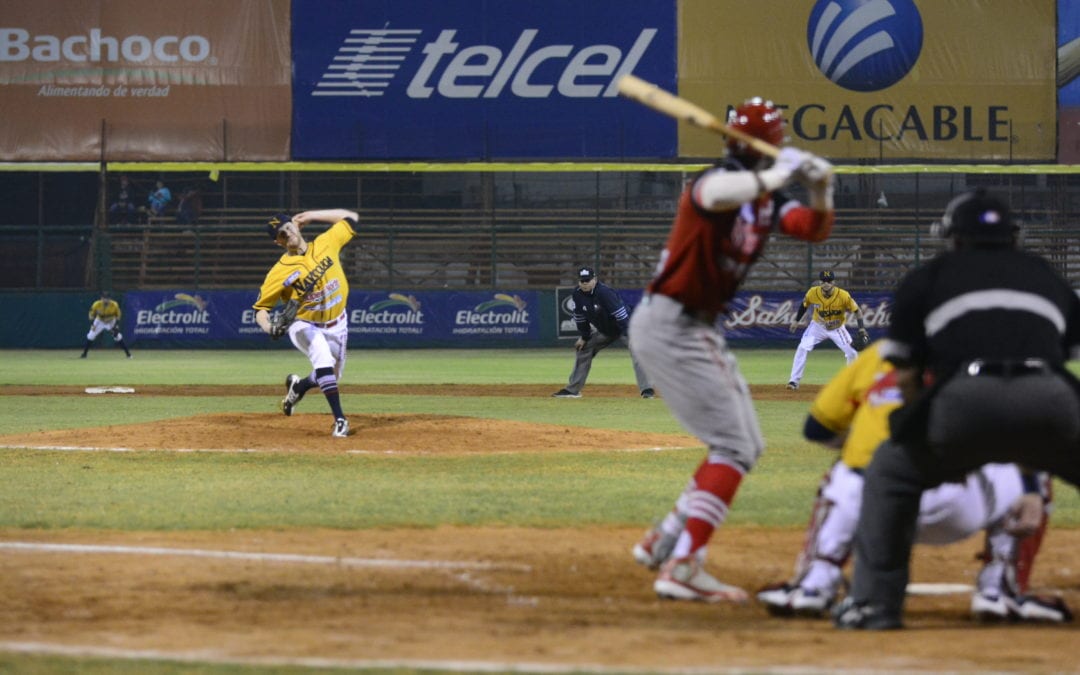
<point x="445" y="318"/>
<point x="377" y="319"/>
<point x="479" y="80"/>
<point x="765" y="317"/>
<point x="757" y="317"/>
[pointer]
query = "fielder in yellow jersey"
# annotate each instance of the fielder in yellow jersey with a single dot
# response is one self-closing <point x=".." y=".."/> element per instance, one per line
<point x="104" y="316"/>
<point x="311" y="272"/>
<point x="831" y="305"/>
<point x="852" y="412"/>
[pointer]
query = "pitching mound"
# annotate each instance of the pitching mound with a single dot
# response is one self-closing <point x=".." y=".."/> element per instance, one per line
<point x="310" y="433"/>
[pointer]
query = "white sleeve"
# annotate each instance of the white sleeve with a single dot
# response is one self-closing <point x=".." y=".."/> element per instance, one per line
<point x="720" y="190"/>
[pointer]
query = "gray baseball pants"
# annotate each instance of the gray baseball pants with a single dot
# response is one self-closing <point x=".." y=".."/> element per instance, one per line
<point x="584" y="359"/>
<point x="697" y="375"/>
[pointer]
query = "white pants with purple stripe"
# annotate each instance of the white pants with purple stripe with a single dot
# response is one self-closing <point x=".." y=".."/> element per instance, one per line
<point x="814" y="334"/>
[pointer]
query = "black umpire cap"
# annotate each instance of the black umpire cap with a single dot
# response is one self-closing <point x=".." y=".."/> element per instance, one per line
<point x="827" y="276"/>
<point x="274" y="224"/>
<point x="979" y="216"/>
<point x="586" y="274"/>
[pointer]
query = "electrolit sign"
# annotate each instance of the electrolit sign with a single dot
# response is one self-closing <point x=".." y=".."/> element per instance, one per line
<point x="468" y="79"/>
<point x="865" y="45"/>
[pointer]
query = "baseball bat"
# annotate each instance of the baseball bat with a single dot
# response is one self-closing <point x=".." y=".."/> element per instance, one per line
<point x="669" y="104"/>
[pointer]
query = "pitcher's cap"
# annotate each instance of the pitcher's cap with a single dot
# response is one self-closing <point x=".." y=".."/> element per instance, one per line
<point x="275" y="223"/>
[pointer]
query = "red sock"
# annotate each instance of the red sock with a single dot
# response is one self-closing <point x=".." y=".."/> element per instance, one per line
<point x="715" y="488"/>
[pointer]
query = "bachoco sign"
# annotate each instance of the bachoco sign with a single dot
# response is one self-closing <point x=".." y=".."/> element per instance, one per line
<point x="121" y="80"/>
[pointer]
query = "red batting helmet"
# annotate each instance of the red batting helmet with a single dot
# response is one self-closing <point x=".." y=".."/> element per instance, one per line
<point x="759" y="118"/>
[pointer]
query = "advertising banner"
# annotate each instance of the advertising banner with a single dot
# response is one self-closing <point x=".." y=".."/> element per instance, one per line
<point x="92" y="80"/>
<point x="1068" y="82"/>
<point x="376" y="319"/>
<point x="955" y="80"/>
<point x="757" y="317"/>
<point x="471" y="79"/>
<point x="464" y="319"/>
<point x="765" y="317"/>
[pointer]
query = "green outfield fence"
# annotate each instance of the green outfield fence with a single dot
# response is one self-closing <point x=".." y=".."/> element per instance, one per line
<point x="480" y="225"/>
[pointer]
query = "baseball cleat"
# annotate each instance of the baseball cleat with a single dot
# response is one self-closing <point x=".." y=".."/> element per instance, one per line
<point x="654" y="548"/>
<point x="793" y="385"/>
<point x="777" y="598"/>
<point x="685" y="579"/>
<point x="787" y="600"/>
<point x="992" y="606"/>
<point x="648" y="393"/>
<point x="292" y="395"/>
<point x="341" y="428"/>
<point x="851" y="614"/>
<point x="565" y="393"/>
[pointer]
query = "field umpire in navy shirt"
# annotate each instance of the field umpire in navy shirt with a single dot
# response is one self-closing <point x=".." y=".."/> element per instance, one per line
<point x="597" y="305"/>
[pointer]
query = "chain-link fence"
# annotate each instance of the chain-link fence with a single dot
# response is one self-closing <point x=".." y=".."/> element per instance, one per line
<point x="485" y="229"/>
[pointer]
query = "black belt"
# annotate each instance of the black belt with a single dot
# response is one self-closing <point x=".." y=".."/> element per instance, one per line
<point x="328" y="324"/>
<point x="1008" y="368"/>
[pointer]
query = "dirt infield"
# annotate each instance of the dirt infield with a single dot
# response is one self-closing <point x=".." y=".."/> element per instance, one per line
<point x="463" y="597"/>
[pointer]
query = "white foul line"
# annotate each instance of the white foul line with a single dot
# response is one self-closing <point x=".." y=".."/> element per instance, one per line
<point x="266" y="557"/>
<point x="215" y="657"/>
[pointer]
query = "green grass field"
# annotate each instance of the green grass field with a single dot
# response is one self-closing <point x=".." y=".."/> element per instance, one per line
<point x="217" y="491"/>
<point x="154" y="491"/>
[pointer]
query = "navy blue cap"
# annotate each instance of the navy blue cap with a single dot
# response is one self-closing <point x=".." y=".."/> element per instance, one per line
<point x="586" y="274"/>
<point x="275" y="223"/>
<point x="827" y="276"/>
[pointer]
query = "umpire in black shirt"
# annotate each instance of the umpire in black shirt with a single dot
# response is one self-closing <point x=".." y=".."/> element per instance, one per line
<point x="599" y="305"/>
<point x="979" y="336"/>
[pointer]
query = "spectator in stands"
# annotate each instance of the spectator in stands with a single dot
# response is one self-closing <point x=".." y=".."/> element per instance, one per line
<point x="123" y="207"/>
<point x="190" y="207"/>
<point x="158" y="200"/>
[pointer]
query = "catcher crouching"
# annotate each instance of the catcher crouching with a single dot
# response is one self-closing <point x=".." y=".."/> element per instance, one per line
<point x="309" y="280"/>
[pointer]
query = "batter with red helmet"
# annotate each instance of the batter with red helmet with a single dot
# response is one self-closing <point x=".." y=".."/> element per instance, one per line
<point x="724" y="219"/>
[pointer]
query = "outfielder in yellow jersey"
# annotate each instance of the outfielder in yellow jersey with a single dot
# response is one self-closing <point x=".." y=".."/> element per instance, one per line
<point x="852" y="412"/>
<point x="831" y="306"/>
<point x="311" y="272"/>
<point x="104" y="316"/>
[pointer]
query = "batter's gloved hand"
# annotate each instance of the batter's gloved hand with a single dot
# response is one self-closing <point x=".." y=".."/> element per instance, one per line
<point x="814" y="170"/>
<point x="790" y="161"/>
<point x="279" y="324"/>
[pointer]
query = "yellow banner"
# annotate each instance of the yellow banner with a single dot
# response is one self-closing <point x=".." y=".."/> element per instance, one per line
<point x="887" y="80"/>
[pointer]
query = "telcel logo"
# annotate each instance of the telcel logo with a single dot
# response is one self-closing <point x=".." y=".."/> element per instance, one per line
<point x="481" y="71"/>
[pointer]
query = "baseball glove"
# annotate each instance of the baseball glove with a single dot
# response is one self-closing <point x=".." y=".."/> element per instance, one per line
<point x="861" y="340"/>
<point x="279" y="323"/>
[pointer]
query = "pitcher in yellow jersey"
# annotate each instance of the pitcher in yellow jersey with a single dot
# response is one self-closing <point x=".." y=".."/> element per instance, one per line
<point x="312" y="273"/>
<point x="832" y="305"/>
<point x="104" y="316"/>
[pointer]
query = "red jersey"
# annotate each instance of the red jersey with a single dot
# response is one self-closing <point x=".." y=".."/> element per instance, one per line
<point x="709" y="253"/>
